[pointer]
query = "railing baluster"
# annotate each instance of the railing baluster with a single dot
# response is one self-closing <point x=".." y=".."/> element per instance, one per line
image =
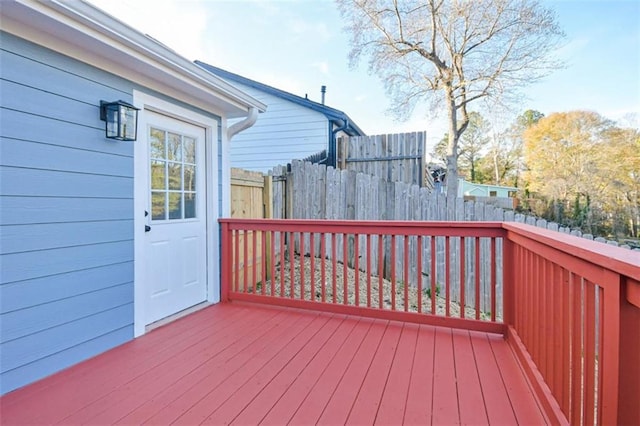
<point x="419" y="273"/>
<point x="565" y="303"/>
<point x="356" y="267"/>
<point x="312" y="258"/>
<point x="283" y="263"/>
<point x="272" y="262"/>
<point x="405" y="274"/>
<point x="245" y="263"/>
<point x="447" y="278"/>
<point x="434" y="272"/>
<point x="477" y="275"/>
<point x="543" y="326"/>
<point x="599" y="354"/>
<point x="323" y="266"/>
<point x="550" y="327"/>
<point x="368" y="270"/>
<point x="236" y="249"/>
<point x="577" y="370"/>
<point x="380" y="270"/>
<point x="557" y="330"/>
<point x="263" y="256"/>
<point x="589" y="352"/>
<point x="345" y="269"/>
<point x="254" y="258"/>
<point x="494" y="280"/>
<point x="333" y="264"/>
<point x="535" y="324"/>
<point x="393" y="272"/>
<point x="301" y="266"/>
<point x="463" y="281"/>
<point x="292" y="259"/>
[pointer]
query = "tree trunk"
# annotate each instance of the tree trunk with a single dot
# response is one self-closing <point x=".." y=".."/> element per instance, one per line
<point x="452" y="157"/>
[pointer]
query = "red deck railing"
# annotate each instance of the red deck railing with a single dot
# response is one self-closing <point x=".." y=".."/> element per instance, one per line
<point x="569" y="307"/>
<point x="574" y="320"/>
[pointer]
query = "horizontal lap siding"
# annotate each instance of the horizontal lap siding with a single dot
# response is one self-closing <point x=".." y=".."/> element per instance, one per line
<point x="286" y="131"/>
<point x="66" y="222"/>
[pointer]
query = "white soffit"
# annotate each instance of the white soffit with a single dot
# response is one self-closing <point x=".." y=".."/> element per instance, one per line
<point x="84" y="32"/>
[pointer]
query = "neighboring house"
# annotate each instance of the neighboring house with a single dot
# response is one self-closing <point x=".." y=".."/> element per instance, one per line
<point x="501" y="196"/>
<point x="79" y="273"/>
<point x="293" y="127"/>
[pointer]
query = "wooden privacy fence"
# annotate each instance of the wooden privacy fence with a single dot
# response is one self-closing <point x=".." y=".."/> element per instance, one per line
<point x="393" y="157"/>
<point x="571" y="306"/>
<point x="312" y="191"/>
<point x="250" y="199"/>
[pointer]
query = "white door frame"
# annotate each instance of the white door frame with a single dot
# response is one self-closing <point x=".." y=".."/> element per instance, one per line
<point x="145" y="101"/>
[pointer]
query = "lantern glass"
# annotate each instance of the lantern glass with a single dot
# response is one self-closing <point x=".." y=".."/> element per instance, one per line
<point x="121" y="120"/>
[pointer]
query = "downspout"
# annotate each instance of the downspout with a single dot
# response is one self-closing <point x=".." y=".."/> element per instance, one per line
<point x="236" y="128"/>
<point x="333" y="160"/>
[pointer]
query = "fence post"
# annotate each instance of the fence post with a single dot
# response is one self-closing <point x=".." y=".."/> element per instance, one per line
<point x="288" y="195"/>
<point x="267" y="198"/>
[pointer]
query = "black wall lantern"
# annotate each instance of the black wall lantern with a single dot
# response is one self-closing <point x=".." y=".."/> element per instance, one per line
<point x="121" y="120"/>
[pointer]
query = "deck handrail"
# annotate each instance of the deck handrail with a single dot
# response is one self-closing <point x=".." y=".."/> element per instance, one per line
<point x="570" y="306"/>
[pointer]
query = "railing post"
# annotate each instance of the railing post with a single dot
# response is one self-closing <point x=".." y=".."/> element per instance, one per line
<point x="226" y="260"/>
<point x="508" y="280"/>
<point x="628" y="409"/>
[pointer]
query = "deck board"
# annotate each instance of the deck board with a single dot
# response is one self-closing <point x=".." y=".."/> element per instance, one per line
<point x="420" y="394"/>
<point x="249" y="364"/>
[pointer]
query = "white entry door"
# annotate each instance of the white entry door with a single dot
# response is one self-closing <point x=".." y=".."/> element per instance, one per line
<point x="175" y="237"/>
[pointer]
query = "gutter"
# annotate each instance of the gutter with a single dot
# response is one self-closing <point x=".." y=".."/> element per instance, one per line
<point x="249" y="121"/>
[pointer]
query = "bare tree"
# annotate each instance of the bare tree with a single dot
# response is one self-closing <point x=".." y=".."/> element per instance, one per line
<point x="452" y="51"/>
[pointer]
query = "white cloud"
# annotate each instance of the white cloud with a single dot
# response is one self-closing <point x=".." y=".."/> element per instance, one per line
<point x="311" y="30"/>
<point x="321" y="66"/>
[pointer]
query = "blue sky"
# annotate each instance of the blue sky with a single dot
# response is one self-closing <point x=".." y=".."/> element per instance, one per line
<point x="299" y="45"/>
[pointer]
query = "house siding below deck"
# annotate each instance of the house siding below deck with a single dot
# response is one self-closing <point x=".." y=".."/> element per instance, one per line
<point x="286" y="131"/>
<point x="66" y="228"/>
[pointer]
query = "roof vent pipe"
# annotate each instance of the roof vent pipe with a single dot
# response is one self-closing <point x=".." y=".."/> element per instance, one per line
<point x="323" y="91"/>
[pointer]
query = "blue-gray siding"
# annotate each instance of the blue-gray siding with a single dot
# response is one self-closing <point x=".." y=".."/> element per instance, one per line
<point x="286" y="131"/>
<point x="66" y="215"/>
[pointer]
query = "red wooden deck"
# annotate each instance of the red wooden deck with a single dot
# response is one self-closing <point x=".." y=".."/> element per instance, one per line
<point x="249" y="364"/>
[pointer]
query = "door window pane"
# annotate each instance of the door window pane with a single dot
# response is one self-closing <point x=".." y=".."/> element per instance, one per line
<point x="189" y="205"/>
<point x="175" y="176"/>
<point x="156" y="143"/>
<point x="175" y="205"/>
<point x="158" y="174"/>
<point x="174" y="143"/>
<point x="158" y="205"/>
<point x="189" y="178"/>
<point x="189" y="145"/>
